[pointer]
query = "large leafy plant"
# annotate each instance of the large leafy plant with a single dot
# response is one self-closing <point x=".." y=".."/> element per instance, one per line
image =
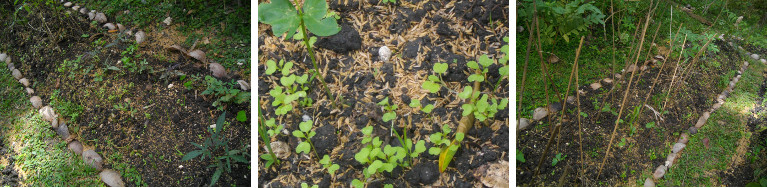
<point x="284" y="17"/>
<point x="560" y="18"/>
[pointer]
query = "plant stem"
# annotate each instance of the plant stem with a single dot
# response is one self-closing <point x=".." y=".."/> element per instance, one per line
<point x="312" y="144"/>
<point x="310" y="49"/>
<point x="262" y="133"/>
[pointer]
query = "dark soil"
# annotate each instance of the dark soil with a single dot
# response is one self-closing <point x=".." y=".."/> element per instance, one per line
<point x="9" y="176"/>
<point x="585" y="143"/>
<point x="419" y="34"/>
<point x="152" y="138"/>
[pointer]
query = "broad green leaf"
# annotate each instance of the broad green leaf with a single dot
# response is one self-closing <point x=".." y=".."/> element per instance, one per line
<point x="220" y="122"/>
<point x="332" y="169"/>
<point x="485" y="61"/>
<point x="288" y="80"/>
<point x="365" y="140"/>
<point x="389" y="116"/>
<point x="284" y="109"/>
<point x="467" y="109"/>
<point x="286" y="68"/>
<point x="476" y="77"/>
<point x="482" y="103"/>
<point x="520" y="156"/>
<point x="242" y="116"/>
<point x="414" y="103"/>
<point x="503" y="104"/>
<point x="459" y="136"/>
<point x="325" y="160"/>
<point x="388" y="150"/>
<point x="384" y="102"/>
<point x="433" y="78"/>
<point x="311" y="134"/>
<point x="420" y="147"/>
<point x="389" y="185"/>
<point x="472" y="64"/>
<point x="304" y="185"/>
<point x="271" y="67"/>
<point x="504" y="71"/>
<point x="440" y="68"/>
<point x="357" y="183"/>
<point x="362" y="155"/>
<point x="374" y="166"/>
<point x="466" y="92"/>
<point x="305" y="126"/>
<point x="480" y="116"/>
<point x="302" y="79"/>
<point x="314" y="18"/>
<point x="427" y="109"/>
<point x="268" y="158"/>
<point x="434" y="150"/>
<point x="367" y="130"/>
<point x="431" y="86"/>
<point x="191" y="155"/>
<point x="436" y="138"/>
<point x="303" y="147"/>
<point x="299" y="134"/>
<point x="445" y="129"/>
<point x="377" y="142"/>
<point x="281" y="15"/>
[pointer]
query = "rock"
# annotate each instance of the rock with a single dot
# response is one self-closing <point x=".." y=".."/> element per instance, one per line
<point x="523" y="124"/>
<point x="198" y="55"/>
<point x="93" y="159"/>
<point x="554" y="107"/>
<point x="100" y="17"/>
<point x="16" y="74"/>
<point x="764" y="61"/>
<point x="677" y="147"/>
<point x="48" y="113"/>
<point x="595" y="86"/>
<point x="243" y="85"/>
<point x="76" y="7"/>
<point x="670" y="159"/>
<point x="168" y="20"/>
<point x="423" y="173"/>
<point x="24" y="82"/>
<point x="217" y="70"/>
<point x="755" y="56"/>
<point x="631" y="68"/>
<point x="36" y="101"/>
<point x="702" y="120"/>
<point x="745" y="63"/>
<point x="581" y="92"/>
<point x="91" y="15"/>
<point x="76" y="146"/>
<point x="553" y="59"/>
<point x="495" y="175"/>
<point x="643" y="68"/>
<point x="618" y="76"/>
<point x="540" y="113"/>
<point x="280" y="149"/>
<point x="111" y="178"/>
<point x="68" y="4"/>
<point x="3" y="56"/>
<point x="571" y="99"/>
<point x="649" y="183"/>
<point x="120" y="27"/>
<point x="608" y="80"/>
<point x="705" y="143"/>
<point x="693" y="130"/>
<point x="63" y="131"/>
<point x="110" y="26"/>
<point x="83" y="10"/>
<point x="140" y="37"/>
<point x="384" y="53"/>
<point x="683" y="138"/>
<point x="659" y="172"/>
<point x="30" y="91"/>
<point x="55" y="123"/>
<point x="11" y="66"/>
<point x="716" y="106"/>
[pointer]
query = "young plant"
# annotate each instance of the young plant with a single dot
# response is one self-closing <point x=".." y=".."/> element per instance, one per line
<point x="305" y="131"/>
<point x="294" y="88"/>
<point x="327" y="164"/>
<point x="390" y="112"/>
<point x="433" y="82"/>
<point x="504" y="60"/>
<point x="225" y="91"/>
<point x="284" y="17"/>
<point x="215" y="143"/>
<point x="444" y="147"/>
<point x="389" y="1"/>
<point x="266" y="136"/>
<point x="378" y="159"/>
<point x="557" y="159"/>
<point x="304" y="185"/>
<point x="520" y="156"/>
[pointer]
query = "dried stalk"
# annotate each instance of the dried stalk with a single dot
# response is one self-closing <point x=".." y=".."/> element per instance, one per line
<point x="562" y="116"/>
<point x="655" y="81"/>
<point x="673" y="77"/>
<point x="625" y="95"/>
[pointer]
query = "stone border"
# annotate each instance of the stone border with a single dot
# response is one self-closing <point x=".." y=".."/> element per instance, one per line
<point x="681" y="143"/>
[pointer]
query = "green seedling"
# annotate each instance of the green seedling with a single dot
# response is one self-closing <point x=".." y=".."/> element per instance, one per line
<point x="432" y="83"/>
<point x="242" y="116"/>
<point x="622" y="143"/>
<point x="557" y="159"/>
<point x="504" y="60"/>
<point x="443" y="145"/>
<point x="214" y="145"/>
<point x="480" y="107"/>
<point x="377" y="158"/>
<point x="520" y="156"/>
<point x="294" y="88"/>
<point x="225" y="91"/>
<point x="650" y="125"/>
<point x="305" y="132"/>
<point x="285" y="17"/>
<point x="304" y="185"/>
<point x="389" y="1"/>
<point x="266" y="136"/>
<point x="390" y="112"/>
<point x="327" y="164"/>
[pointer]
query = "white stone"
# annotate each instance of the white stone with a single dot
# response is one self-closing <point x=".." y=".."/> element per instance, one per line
<point x="659" y="172"/>
<point x="140" y="37"/>
<point x="540" y="113"/>
<point x="523" y="124"/>
<point x="16" y="74"/>
<point x="243" y="85"/>
<point x="48" y="113"/>
<point x="595" y="86"/>
<point x="607" y="80"/>
<point x="24" y="81"/>
<point x="649" y="183"/>
<point x="111" y="178"/>
<point x="683" y="138"/>
<point x="384" y="53"/>
<point x="670" y="159"/>
<point x="36" y="101"/>
<point x="702" y="120"/>
<point x="755" y="56"/>
<point x="30" y="91"/>
<point x="677" y="147"/>
<point x="168" y="20"/>
<point x="3" y="56"/>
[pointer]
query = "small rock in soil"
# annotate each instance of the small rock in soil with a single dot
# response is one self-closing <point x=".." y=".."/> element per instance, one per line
<point x="608" y="80"/>
<point x="540" y="113"/>
<point x="581" y="92"/>
<point x="670" y="159"/>
<point x="683" y="138"/>
<point x="495" y="175"/>
<point x="764" y="61"/>
<point x="346" y="40"/>
<point x="693" y="130"/>
<point x="643" y="68"/>
<point x="30" y="91"/>
<point x="198" y="55"/>
<point x="631" y="68"/>
<point x="280" y="149"/>
<point x="140" y="35"/>
<point x="63" y="131"/>
<point x="754" y="56"/>
<point x="93" y="159"/>
<point x="649" y="183"/>
<point x="3" y="56"/>
<point x="384" y="53"/>
<point x="659" y="172"/>
<point x="702" y="120"/>
<point x="10" y="66"/>
<point x="745" y="63"/>
<point x="217" y="70"/>
<point x="678" y="147"/>
<point x="16" y="74"/>
<point x="716" y="106"/>
<point x="423" y="173"/>
<point x="76" y="146"/>
<point x="111" y="178"/>
<point x="555" y="107"/>
<point x="48" y="113"/>
<point x="571" y="99"/>
<point x="595" y="86"/>
<point x="618" y="76"/>
<point x="243" y="85"/>
<point x="101" y="18"/>
<point x="24" y="81"/>
<point x="36" y="101"/>
<point x="523" y="124"/>
<point x="55" y="123"/>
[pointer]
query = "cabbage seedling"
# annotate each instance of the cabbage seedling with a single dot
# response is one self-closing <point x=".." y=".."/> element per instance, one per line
<point x="305" y="132"/>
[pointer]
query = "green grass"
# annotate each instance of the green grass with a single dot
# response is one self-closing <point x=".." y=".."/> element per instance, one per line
<point x="698" y="165"/>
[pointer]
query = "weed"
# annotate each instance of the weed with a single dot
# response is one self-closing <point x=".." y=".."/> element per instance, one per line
<point x="226" y="92"/>
<point x="557" y="159"/>
<point x="214" y="143"/>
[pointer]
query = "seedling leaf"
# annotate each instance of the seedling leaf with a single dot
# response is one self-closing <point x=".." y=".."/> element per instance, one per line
<point x="440" y="68"/>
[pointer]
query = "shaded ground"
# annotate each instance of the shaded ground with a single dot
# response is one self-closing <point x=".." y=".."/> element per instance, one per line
<point x="420" y="34"/>
<point x="140" y="121"/>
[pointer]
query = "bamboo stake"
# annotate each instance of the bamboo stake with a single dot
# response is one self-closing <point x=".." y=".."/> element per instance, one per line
<point x="625" y="95"/>
<point x="524" y="71"/>
<point x="655" y="81"/>
<point x="673" y="77"/>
